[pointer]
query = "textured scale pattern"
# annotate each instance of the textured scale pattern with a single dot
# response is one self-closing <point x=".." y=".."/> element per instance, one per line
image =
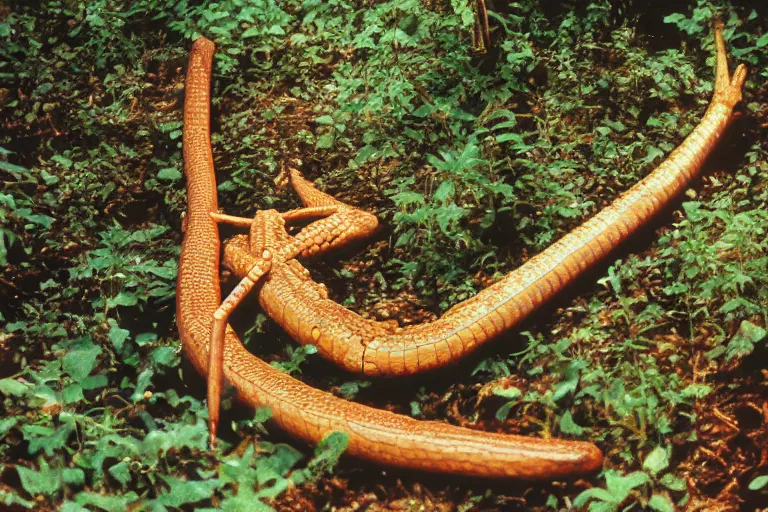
<point x="361" y="345"/>
<point x="301" y="306"/>
<point x="305" y="412"/>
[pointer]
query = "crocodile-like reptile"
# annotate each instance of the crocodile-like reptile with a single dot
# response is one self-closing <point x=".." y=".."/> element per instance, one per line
<point x="305" y="412"/>
<point x="303" y="309"/>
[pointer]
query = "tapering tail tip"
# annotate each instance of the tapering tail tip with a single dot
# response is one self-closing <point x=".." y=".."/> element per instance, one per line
<point x="203" y="44"/>
<point x="591" y="459"/>
<point x="727" y="87"/>
<point x="737" y="80"/>
<point x="571" y="459"/>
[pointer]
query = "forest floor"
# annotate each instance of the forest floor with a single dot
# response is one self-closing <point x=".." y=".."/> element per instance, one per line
<point x="473" y="160"/>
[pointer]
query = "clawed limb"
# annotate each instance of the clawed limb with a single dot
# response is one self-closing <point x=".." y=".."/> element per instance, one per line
<point x="218" y="333"/>
<point x="269" y="240"/>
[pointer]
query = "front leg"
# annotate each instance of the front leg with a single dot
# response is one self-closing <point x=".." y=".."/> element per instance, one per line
<point x="342" y="225"/>
<point x="218" y="332"/>
<point x="338" y="230"/>
<point x="338" y="225"/>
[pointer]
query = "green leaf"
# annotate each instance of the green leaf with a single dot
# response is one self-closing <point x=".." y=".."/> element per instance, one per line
<point x="16" y="326"/>
<point x="505" y="125"/>
<point x="674" y="482"/>
<point x="121" y="473"/>
<point x="503" y="411"/>
<point x="94" y="382"/>
<point x="407" y="198"/>
<point x="274" y="467"/>
<point x="661" y="503"/>
<point x="169" y="174"/>
<point x="758" y="483"/>
<point x="183" y="492"/>
<point x="656" y="461"/>
<point x="653" y="154"/>
<point x="365" y="153"/>
<point x="621" y="486"/>
<point x="252" y="32"/>
<point x="616" y="126"/>
<point x="26" y="213"/>
<point x="262" y="414"/>
<point x="424" y="110"/>
<point x="12" y="168"/>
<point x="564" y="388"/>
<point x="325" y="141"/>
<point x="122" y="299"/>
<point x="329" y="450"/>
<point x="743" y="342"/>
<point x="501" y="114"/>
<point x="736" y="303"/>
<point x="324" y="120"/>
<point x="70" y="506"/>
<point x="6" y="424"/>
<point x="110" y="503"/>
<point x="696" y="390"/>
<point x="568" y="426"/>
<point x="79" y="362"/>
<point x="164" y="356"/>
<point x="117" y="335"/>
<point x="595" y="493"/>
<point x="193" y="436"/>
<point x="509" y="136"/>
<point x="349" y="389"/>
<point x="145" y="338"/>
<point x="73" y="476"/>
<point x="510" y="393"/>
<point x="61" y="160"/>
<point x="171" y="126"/>
<point x="674" y="18"/>
<point x="571" y="381"/>
<point x="45" y="438"/>
<point x="72" y="393"/>
<point x="10" y="498"/>
<point x="245" y="501"/>
<point x="445" y="191"/>
<point x="12" y="387"/>
<point x="46" y="481"/>
<point x="762" y="41"/>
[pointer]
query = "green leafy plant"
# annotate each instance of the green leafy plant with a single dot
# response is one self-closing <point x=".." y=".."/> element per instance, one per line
<point x="622" y="490"/>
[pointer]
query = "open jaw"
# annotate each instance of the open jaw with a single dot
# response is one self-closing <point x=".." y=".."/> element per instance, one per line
<point x="377" y="435"/>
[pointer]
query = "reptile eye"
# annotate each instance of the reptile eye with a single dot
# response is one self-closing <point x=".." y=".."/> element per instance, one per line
<point x="315" y="333"/>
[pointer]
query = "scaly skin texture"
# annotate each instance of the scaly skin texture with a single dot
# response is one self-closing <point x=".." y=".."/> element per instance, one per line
<point x="303" y="309"/>
<point x="305" y="412"/>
